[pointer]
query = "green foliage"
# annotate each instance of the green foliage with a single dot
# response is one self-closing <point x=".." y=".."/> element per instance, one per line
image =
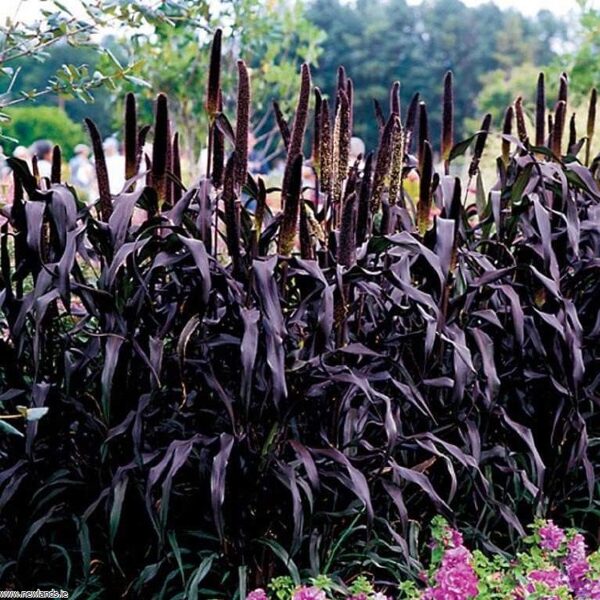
<point x="501" y="88"/>
<point x="386" y="41"/>
<point x="582" y="63"/>
<point x="282" y="587"/>
<point x="30" y="123"/>
<point x="274" y="38"/>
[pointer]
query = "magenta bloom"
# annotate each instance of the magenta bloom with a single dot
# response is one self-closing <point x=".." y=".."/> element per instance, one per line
<point x="552" y="577"/>
<point x="455" y="579"/>
<point x="258" y="594"/>
<point x="309" y="593"/>
<point x="456" y="538"/>
<point x="552" y="536"/>
<point x="576" y="564"/>
<point x="577" y="547"/>
<point x="589" y="591"/>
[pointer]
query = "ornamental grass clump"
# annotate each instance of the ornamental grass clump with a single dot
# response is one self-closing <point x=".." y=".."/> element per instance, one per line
<point x="234" y="394"/>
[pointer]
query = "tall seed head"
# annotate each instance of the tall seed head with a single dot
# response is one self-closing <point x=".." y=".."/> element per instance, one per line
<point x="572" y="134"/>
<point x="423" y="130"/>
<point x="395" y="99"/>
<point x="350" y="97"/>
<point x="382" y="164"/>
<point x="362" y="224"/>
<point x="316" y="147"/>
<point x="397" y="163"/>
<point x="300" y="118"/>
<point x="559" y="127"/>
<point x="341" y="147"/>
<point x="326" y="163"/>
<point x="214" y="76"/>
<point x="161" y="146"/>
<point x="218" y="151"/>
<point x="287" y="232"/>
<point x="447" y="120"/>
<point x="540" y="112"/>
<point x="563" y="89"/>
<point x="591" y="124"/>
<point x="242" y="127"/>
<point x="101" y="171"/>
<point x="480" y="144"/>
<point x="56" y="165"/>
<point x="424" y="204"/>
<point x="130" y="137"/>
<point x="346" y="251"/>
<point x="521" y="127"/>
<point x="507" y="130"/>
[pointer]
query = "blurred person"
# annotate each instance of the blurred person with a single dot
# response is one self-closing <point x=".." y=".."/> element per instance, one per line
<point x="23" y="153"/>
<point x="42" y="151"/>
<point x="81" y="168"/>
<point x="115" y="165"/>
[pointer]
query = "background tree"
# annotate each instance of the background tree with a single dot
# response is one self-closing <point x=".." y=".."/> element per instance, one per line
<point x="274" y="37"/>
<point x="582" y="63"/>
<point x="382" y="42"/>
<point x="30" y="123"/>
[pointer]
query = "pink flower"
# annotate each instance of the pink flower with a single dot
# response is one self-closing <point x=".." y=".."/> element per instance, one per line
<point x="576" y="564"/>
<point x="589" y="591"/>
<point x="258" y="594"/>
<point x="576" y="547"/>
<point x="455" y="579"/>
<point x="456" y="538"/>
<point x="309" y="593"/>
<point x="552" y="536"/>
<point x="551" y="577"/>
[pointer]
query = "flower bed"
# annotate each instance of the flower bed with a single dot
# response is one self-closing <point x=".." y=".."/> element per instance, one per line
<point x="556" y="566"/>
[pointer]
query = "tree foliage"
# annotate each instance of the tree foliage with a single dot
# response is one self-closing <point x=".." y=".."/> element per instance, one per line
<point x="274" y="37"/>
<point x="30" y="123"/>
<point x="385" y="41"/>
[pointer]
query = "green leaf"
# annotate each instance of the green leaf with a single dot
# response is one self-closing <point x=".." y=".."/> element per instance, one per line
<point x="282" y="554"/>
<point x="460" y="148"/>
<point x="8" y="428"/>
<point x="199" y="574"/>
<point x="113" y="58"/>
<point x="137" y="81"/>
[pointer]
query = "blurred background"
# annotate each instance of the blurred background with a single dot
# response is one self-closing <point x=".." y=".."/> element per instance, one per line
<point x="61" y="61"/>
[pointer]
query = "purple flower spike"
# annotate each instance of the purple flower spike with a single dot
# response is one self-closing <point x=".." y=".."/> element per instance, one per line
<point x="552" y="536"/>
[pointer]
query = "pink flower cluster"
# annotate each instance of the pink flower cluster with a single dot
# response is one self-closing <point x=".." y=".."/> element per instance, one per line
<point x="578" y="568"/>
<point x="571" y="573"/>
<point x="309" y="593"/>
<point x="455" y="579"/>
<point x="562" y="570"/>
<point x="551" y="536"/>
<point x="258" y="594"/>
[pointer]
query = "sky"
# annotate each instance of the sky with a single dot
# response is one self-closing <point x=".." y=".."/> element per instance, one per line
<point x="31" y="8"/>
